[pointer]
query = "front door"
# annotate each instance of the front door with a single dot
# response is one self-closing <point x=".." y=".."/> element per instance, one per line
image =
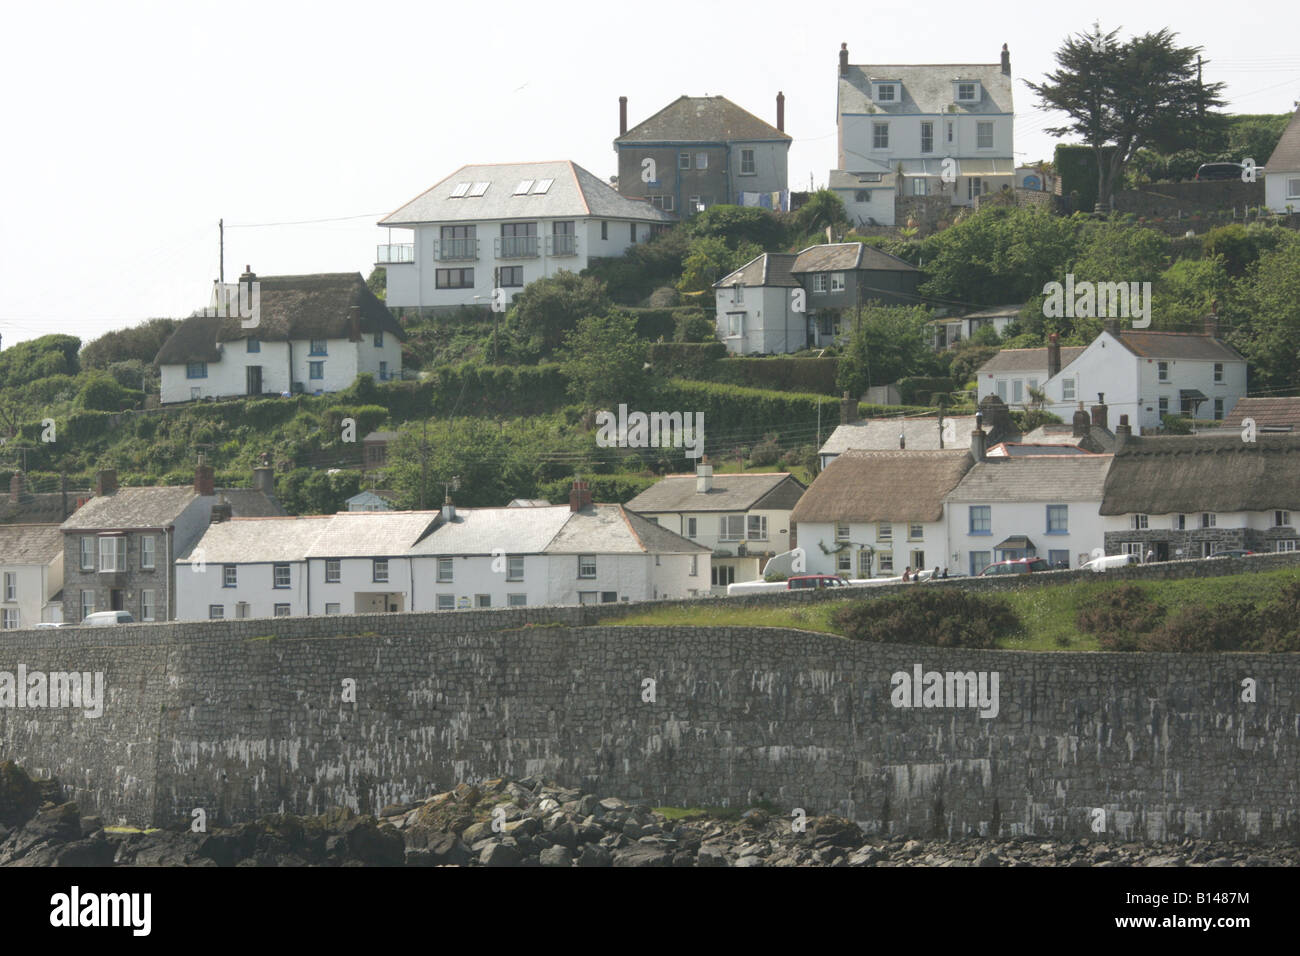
<point x="254" y="374"/>
<point x="116" y="600"/>
<point x="1162" y="550"/>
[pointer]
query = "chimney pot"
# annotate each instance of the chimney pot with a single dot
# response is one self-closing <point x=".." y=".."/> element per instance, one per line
<point x="1006" y="60"/>
<point x="978" y="438"/>
<point x="1053" y="355"/>
<point x="844" y="59"/>
<point x="1082" y="423"/>
<point x="448" y="509"/>
<point x="780" y="111"/>
<point x="1100" y="412"/>
<point x="579" y="496"/>
<point x="264" y="480"/>
<point x="622" y="116"/>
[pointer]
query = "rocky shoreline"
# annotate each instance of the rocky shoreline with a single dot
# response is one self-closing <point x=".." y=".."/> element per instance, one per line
<point x="527" y="822"/>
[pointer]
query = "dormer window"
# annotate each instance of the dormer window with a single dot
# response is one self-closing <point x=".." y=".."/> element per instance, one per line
<point x="968" y="91"/>
<point x="886" y="92"/>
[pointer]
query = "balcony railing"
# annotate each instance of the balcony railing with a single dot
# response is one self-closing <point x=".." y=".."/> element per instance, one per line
<point x="516" y="247"/>
<point x="394" y="253"/>
<point x="561" y="245"/>
<point x="455" y="250"/>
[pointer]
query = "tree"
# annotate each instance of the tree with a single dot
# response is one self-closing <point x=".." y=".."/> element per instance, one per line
<point x="1144" y="92"/>
<point x="1263" y="317"/>
<point x="889" y="343"/>
<point x="710" y="259"/>
<point x="740" y="224"/>
<point x="548" y="308"/>
<point x="377" y="282"/>
<point x="140" y="342"/>
<point x="822" y="209"/>
<point x="604" y="360"/>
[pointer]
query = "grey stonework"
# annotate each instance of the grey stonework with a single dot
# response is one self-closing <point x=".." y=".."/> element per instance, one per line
<point x="247" y="717"/>
<point x="1192" y="540"/>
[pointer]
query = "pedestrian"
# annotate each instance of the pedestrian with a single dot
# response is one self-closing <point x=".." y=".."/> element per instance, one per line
<point x="1151" y="555"/>
<point x="945" y="574"/>
<point x="935" y="576"/>
<point x="907" y="573"/>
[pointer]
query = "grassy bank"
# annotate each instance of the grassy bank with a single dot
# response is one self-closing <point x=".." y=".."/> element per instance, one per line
<point x="1048" y="611"/>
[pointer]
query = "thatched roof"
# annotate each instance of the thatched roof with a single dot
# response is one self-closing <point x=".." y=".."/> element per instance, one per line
<point x="883" y="486"/>
<point x="297" y="308"/>
<point x="1183" y="474"/>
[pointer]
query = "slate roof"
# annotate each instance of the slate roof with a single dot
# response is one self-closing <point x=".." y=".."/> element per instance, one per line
<point x="1286" y="154"/>
<point x="676" y="493"/>
<point x="371" y="534"/>
<point x="927" y="88"/>
<point x="294" y="308"/>
<point x="769" y="269"/>
<point x="1176" y="345"/>
<point x="1020" y="449"/>
<point x="37" y="507"/>
<point x="154" y="507"/>
<point x="259" y="540"/>
<point x="1028" y="360"/>
<point x="702" y="119"/>
<point x="1284" y="411"/>
<point x="881" y="434"/>
<point x="1046" y="478"/>
<point x="30" y="543"/>
<point x="863" y="178"/>
<point x="1098" y="439"/>
<point x="574" y="193"/>
<point x="883" y="486"/>
<point x="599" y="529"/>
<point x="1184" y="474"/>
<point x="846" y="256"/>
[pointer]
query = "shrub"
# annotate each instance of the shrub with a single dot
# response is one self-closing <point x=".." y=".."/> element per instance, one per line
<point x="766" y="452"/>
<point x="1120" y="616"/>
<point x="1199" y="629"/>
<point x="1279" y="623"/>
<point x="935" y="617"/>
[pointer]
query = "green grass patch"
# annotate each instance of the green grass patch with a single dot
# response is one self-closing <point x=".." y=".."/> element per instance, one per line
<point x="1048" y="611"/>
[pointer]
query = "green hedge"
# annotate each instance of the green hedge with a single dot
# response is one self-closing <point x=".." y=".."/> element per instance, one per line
<point x="920" y="390"/>
<point x="653" y="324"/>
<point x="779" y="373"/>
<point x="1077" y="168"/>
<point x="605" y="489"/>
<point x="690" y="359"/>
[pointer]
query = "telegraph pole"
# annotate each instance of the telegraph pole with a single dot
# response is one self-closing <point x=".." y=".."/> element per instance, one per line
<point x="221" y="243"/>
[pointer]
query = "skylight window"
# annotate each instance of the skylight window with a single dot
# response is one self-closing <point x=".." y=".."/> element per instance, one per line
<point x="542" y="186"/>
<point x="460" y="190"/>
<point x="478" y="189"/>
<point x="523" y="187"/>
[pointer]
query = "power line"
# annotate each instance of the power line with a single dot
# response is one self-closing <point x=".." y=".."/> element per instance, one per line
<point x="300" y="222"/>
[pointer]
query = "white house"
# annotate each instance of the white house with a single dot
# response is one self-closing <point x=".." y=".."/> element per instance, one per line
<point x="579" y="553"/>
<point x="1141" y="374"/>
<point x="756" y="309"/>
<point x="928" y="433"/>
<point x="951" y="329"/>
<point x="868" y="194"/>
<point x="743" y="519"/>
<point x="1282" y="171"/>
<point x="1190" y="496"/>
<point x="501" y="226"/>
<point x="313" y="334"/>
<point x="946" y="127"/>
<point x="31" y="574"/>
<point x="877" y="513"/>
<point x="365" y="562"/>
<point x="1028" y="506"/>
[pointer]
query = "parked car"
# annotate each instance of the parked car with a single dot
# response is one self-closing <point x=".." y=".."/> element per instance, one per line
<point x="815" y="581"/>
<point x="1109" y="561"/>
<point x="1212" y="171"/>
<point x="104" y="618"/>
<point x="51" y="624"/>
<point x="1016" y="566"/>
<point x="1231" y="553"/>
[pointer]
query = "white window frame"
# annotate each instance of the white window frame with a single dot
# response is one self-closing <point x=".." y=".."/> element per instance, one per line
<point x="229" y="576"/>
<point x="819" y="282"/>
<point x="10" y="619"/>
<point x="880" y="136"/>
<point x="334" y="605"/>
<point x="1293" y="189"/>
<point x="892" y="89"/>
<point x="1281" y="519"/>
<point x="446" y="571"/>
<point x="379" y="570"/>
<point x="446" y="602"/>
<point x="113" y="558"/>
<point x="281" y="610"/>
<point x="516" y="600"/>
<point x="756" y="527"/>
<point x="981" y="128"/>
<point x="1139" y="522"/>
<point x="333" y="570"/>
<point x="1286" y="545"/>
<point x="11" y="586"/>
<point x="748" y="167"/>
<point x="586" y="567"/>
<point x="837" y="281"/>
<point x="1209" y="519"/>
<point x="701" y="160"/>
<point x="974" y="91"/>
<point x="514" y="567"/>
<point x="927" y="133"/>
<point x="735" y="325"/>
<point x="87" y="551"/>
<point x="842" y="531"/>
<point x="1067" y="390"/>
<point x="216" y="612"/>
<point x="148" y="604"/>
<point x="1162" y="371"/>
<point x="87" y="602"/>
<point x="731" y="528"/>
<point x="275" y="577"/>
<point x="148" y="549"/>
<point x="692" y="526"/>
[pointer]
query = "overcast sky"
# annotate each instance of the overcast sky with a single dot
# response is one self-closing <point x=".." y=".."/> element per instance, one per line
<point x="132" y="127"/>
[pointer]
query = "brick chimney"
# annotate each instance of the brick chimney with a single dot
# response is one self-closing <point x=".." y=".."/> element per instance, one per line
<point x="579" y="496"/>
<point x="204" y="479"/>
<point x="1006" y="61"/>
<point x="844" y="59"/>
<point x="1100" y="412"/>
<point x="221" y="511"/>
<point x="1111" y="326"/>
<point x="1122" y="432"/>
<point x="1053" y="355"/>
<point x="848" y="410"/>
<point x="780" y="111"/>
<point x="703" y="478"/>
<point x="248" y="278"/>
<point x="354" y="323"/>
<point x="264" y="480"/>
<point x="1082" y="423"/>
<point x="448" y="509"/>
<point x="106" y="482"/>
<point x="622" y="116"/>
<point x="977" y="438"/>
<point x="16" y="488"/>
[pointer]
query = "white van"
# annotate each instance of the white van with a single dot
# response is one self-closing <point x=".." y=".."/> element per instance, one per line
<point x="105" y="618"/>
<point x="1109" y="562"/>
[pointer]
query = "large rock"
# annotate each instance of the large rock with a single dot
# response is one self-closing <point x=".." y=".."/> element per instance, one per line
<point x="643" y="854"/>
<point x="499" y="854"/>
<point x="593" y="854"/>
<point x="56" y="825"/>
<point x="373" y="845"/>
<point x="556" y="856"/>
